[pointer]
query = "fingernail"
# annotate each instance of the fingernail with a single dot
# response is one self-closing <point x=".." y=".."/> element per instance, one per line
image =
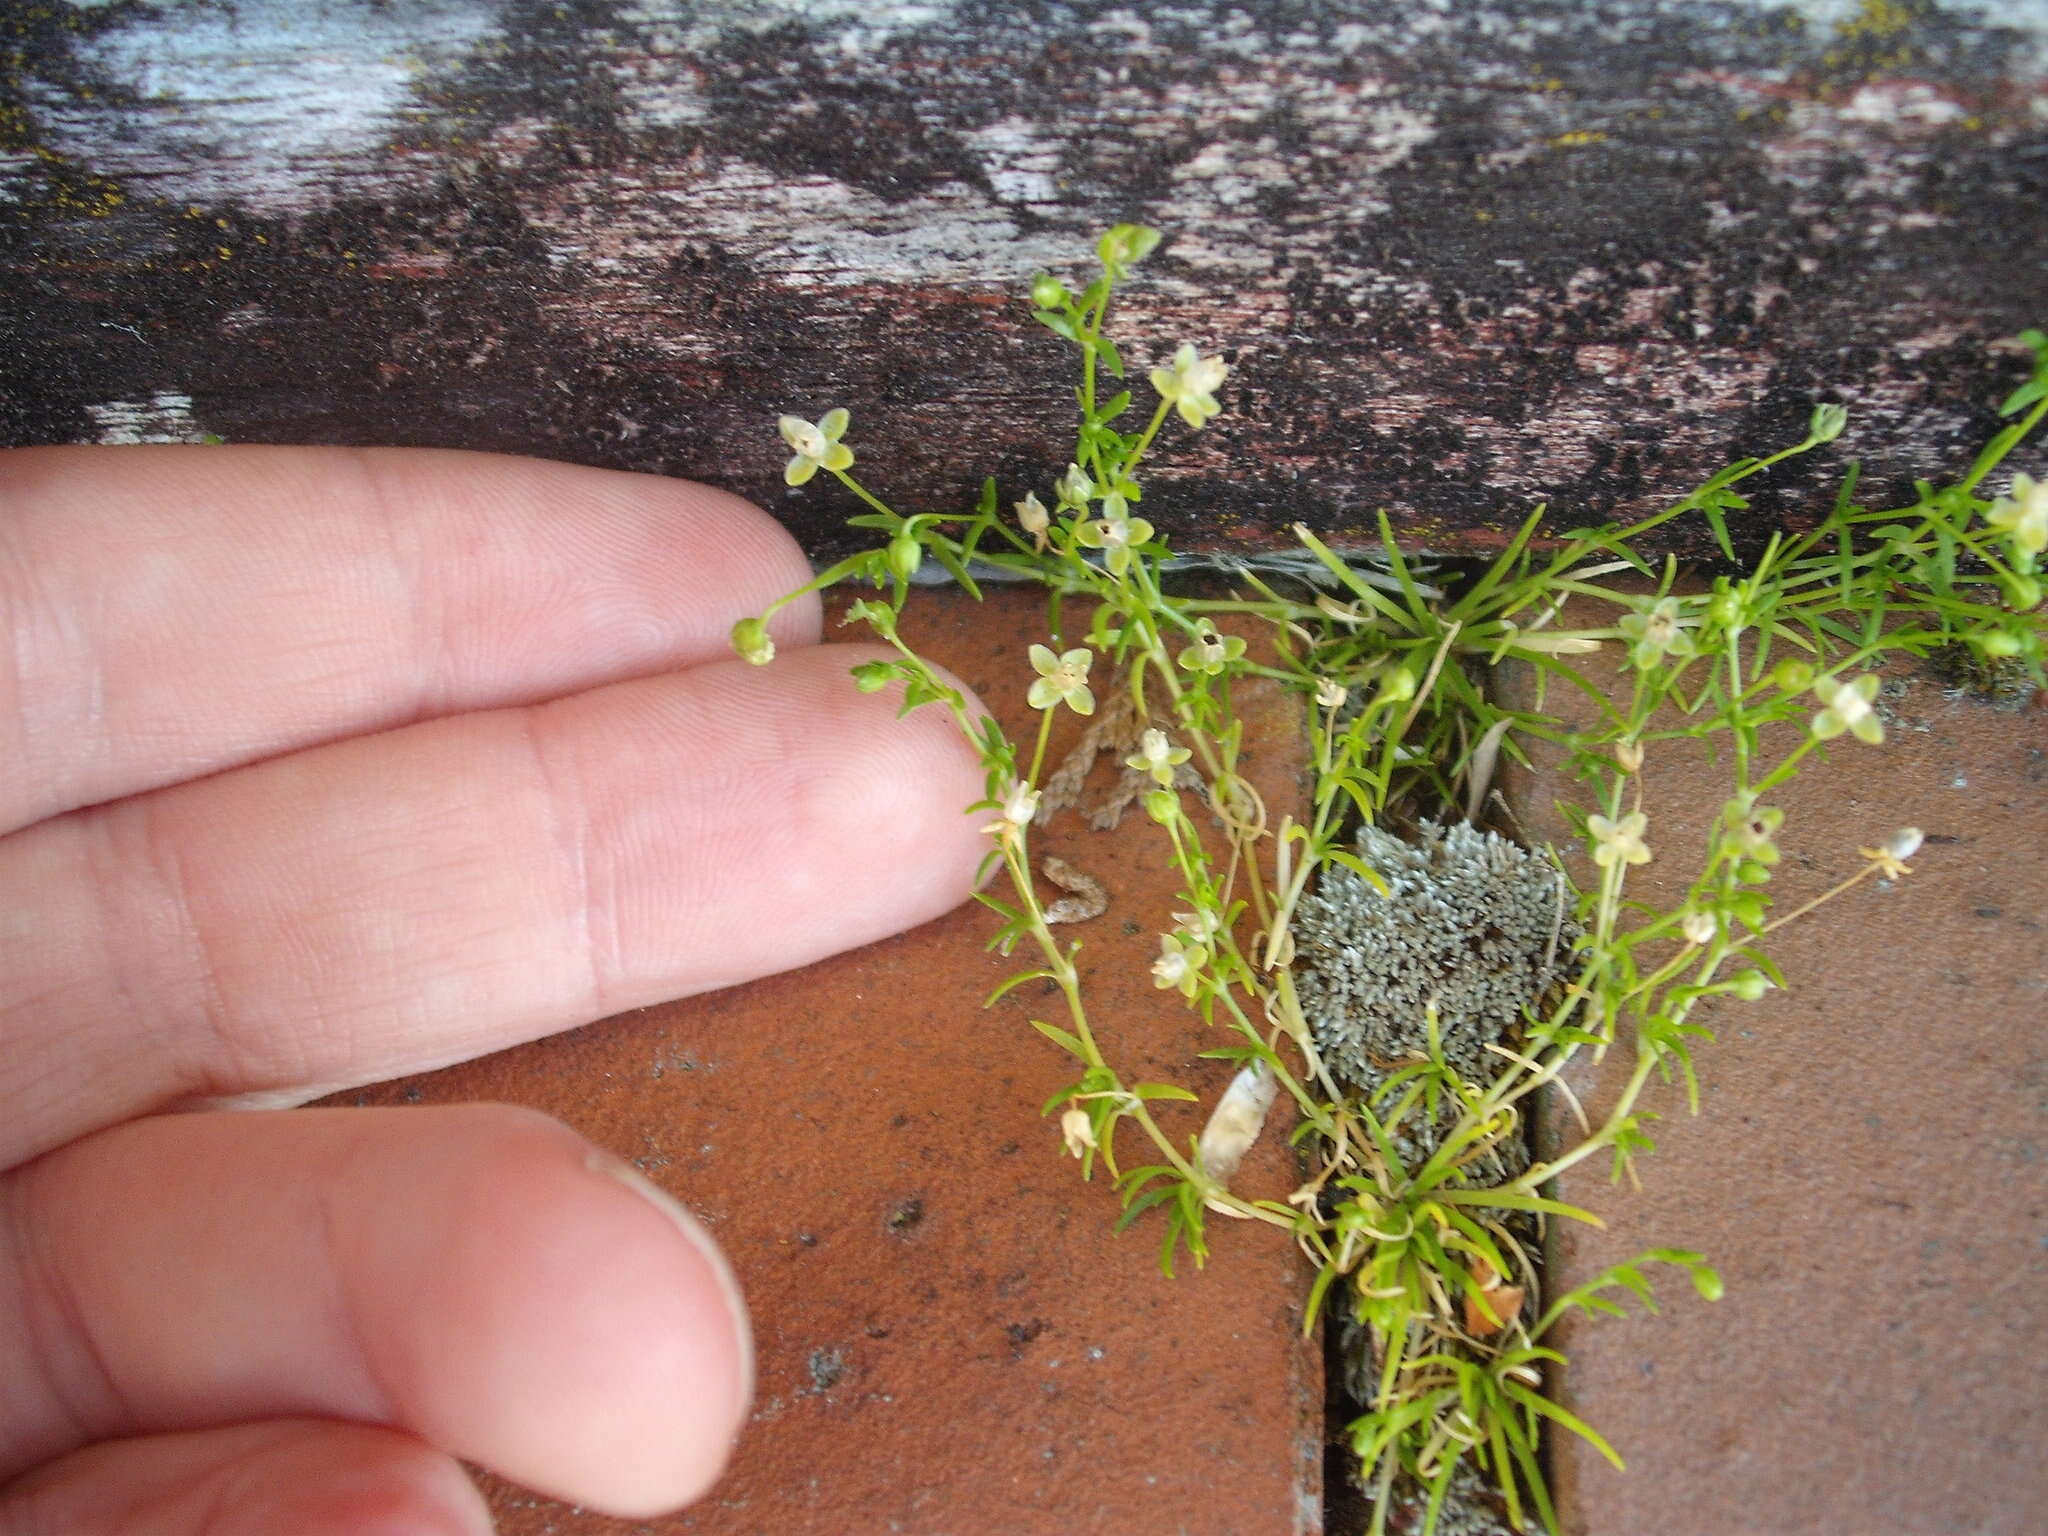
<point x="600" y="1161"/>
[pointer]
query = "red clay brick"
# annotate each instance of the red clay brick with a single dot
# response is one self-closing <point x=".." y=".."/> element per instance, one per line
<point x="951" y="1337"/>
<point x="1869" y="1171"/>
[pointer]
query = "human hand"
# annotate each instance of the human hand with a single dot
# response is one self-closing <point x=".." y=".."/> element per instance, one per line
<point x="319" y="767"/>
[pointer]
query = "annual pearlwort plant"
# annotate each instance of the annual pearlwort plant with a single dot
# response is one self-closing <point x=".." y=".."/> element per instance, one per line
<point x="1404" y="981"/>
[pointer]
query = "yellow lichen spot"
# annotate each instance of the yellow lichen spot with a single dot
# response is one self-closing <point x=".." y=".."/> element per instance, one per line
<point x="1483" y="215"/>
<point x="223" y="252"/>
<point x="1973" y="123"/>
<point x="1877" y="18"/>
<point x="1576" y="137"/>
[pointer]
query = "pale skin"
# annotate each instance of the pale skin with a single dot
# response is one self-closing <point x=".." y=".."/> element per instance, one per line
<point x="320" y="767"/>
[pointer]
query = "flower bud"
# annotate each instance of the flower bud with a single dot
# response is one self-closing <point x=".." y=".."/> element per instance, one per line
<point x="1725" y="607"/>
<point x="1398" y="688"/>
<point x="1999" y="643"/>
<point x="1905" y="842"/>
<point x="906" y="554"/>
<point x="1793" y="676"/>
<point x="750" y="640"/>
<point x="1162" y="805"/>
<point x="1628" y="756"/>
<point x="873" y="676"/>
<point x="1753" y="872"/>
<point x="1827" y="423"/>
<point x="1750" y="985"/>
<point x="1048" y="292"/>
<point x="1123" y="244"/>
<point x="1700" y="927"/>
<point x="1031" y="514"/>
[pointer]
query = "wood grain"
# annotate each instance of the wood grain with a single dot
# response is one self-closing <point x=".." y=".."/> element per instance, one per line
<point x="1463" y="257"/>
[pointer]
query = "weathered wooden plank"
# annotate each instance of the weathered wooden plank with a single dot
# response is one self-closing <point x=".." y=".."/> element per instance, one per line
<point x="1463" y="257"/>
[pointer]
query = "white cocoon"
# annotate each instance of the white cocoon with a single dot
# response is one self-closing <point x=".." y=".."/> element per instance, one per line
<point x="1236" y="1121"/>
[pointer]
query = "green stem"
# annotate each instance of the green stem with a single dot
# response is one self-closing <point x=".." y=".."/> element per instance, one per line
<point x="1151" y="431"/>
<point x="831" y="576"/>
<point x="867" y="496"/>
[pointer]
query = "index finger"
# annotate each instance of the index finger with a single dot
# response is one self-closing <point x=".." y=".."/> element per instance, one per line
<point x="175" y="611"/>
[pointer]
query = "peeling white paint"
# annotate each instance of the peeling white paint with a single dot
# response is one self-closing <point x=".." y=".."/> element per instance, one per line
<point x="862" y="25"/>
<point x="162" y="418"/>
<point x="270" y="103"/>
<point x="1021" y="163"/>
<point x="1910" y="104"/>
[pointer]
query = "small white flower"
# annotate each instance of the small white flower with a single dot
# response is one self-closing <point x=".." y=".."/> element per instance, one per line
<point x="1062" y="679"/>
<point x="1330" y="693"/>
<point x="1019" y="805"/>
<point x="1211" y="652"/>
<point x="1899" y="847"/>
<point x="1075" y="488"/>
<point x="1190" y="382"/>
<point x="1628" y="756"/>
<point x="1077" y="1129"/>
<point x="1199" y="926"/>
<point x="1656" y="633"/>
<point x="1179" y="965"/>
<point x="1158" y="757"/>
<point x="1700" y="927"/>
<point x="2022" y="514"/>
<point x="1619" y="842"/>
<point x="1753" y="828"/>
<point x="1847" y="708"/>
<point x="1117" y="534"/>
<point x="816" y="445"/>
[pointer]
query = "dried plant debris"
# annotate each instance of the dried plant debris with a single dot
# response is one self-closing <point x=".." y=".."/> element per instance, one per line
<point x="1472" y="924"/>
<point x="1116" y="728"/>
<point x="1085" y="898"/>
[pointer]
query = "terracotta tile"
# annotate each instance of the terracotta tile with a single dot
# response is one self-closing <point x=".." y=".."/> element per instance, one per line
<point x="1869" y="1170"/>
<point x="951" y="1337"/>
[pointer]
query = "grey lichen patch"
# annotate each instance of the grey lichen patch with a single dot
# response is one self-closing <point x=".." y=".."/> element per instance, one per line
<point x="2002" y="682"/>
<point x="1472" y="925"/>
<point x="827" y="1368"/>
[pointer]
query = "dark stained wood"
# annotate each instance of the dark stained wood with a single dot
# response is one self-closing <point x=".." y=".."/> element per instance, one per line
<point x="1463" y="256"/>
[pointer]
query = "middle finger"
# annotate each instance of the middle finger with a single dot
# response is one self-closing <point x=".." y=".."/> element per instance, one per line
<point x="389" y="904"/>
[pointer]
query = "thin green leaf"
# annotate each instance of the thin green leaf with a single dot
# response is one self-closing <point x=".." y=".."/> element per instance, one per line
<point x="1509" y="1200"/>
<point x="1059" y="324"/>
<point x="1052" y="1032"/>
<point x="1360" y="868"/>
<point x="1568" y="1419"/>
